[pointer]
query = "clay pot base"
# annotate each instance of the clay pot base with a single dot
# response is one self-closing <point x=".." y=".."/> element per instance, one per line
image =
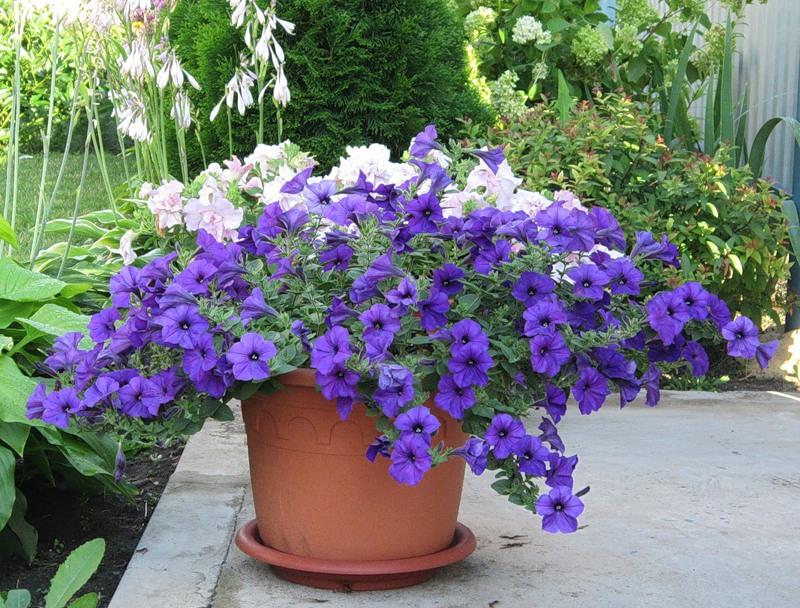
<point x="355" y="575"/>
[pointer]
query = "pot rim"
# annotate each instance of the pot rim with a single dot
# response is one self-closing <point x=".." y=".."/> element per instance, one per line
<point x="302" y="376"/>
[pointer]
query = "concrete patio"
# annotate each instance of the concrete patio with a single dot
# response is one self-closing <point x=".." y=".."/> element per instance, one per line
<point x="693" y="503"/>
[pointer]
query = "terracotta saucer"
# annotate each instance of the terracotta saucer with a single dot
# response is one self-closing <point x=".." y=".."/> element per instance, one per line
<point x="355" y="575"/>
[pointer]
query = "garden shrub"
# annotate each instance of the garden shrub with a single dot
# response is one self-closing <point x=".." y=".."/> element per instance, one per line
<point x="729" y="227"/>
<point x="358" y="72"/>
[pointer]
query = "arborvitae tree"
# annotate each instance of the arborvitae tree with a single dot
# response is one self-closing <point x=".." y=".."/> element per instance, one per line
<point x="359" y="71"/>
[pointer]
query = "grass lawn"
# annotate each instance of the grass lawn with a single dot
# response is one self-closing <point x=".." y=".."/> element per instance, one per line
<point x="94" y="193"/>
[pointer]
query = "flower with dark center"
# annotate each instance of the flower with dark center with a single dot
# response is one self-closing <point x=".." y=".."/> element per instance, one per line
<point x="418" y="421"/>
<point x="559" y="510"/>
<point x="470" y="365"/>
<point x="503" y="434"/>
<point x="410" y="459"/>
<point x="249" y="357"/>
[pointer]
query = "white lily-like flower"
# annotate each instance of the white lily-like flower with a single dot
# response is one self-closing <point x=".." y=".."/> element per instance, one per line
<point x="173" y="71"/>
<point x="281" y="92"/>
<point x="181" y="111"/>
<point x="131" y="115"/>
<point x="237" y="90"/>
<point x="126" y="248"/>
<point x="137" y="63"/>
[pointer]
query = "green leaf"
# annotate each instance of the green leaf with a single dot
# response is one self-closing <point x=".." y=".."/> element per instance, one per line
<point x="564" y="99"/>
<point x="6" y="342"/>
<point x="74" y="572"/>
<point x="736" y="262"/>
<point x="726" y="118"/>
<point x="22" y="285"/>
<point x="55" y="320"/>
<point x="678" y="81"/>
<point x="89" y="600"/>
<point x="7" y="233"/>
<point x="75" y="289"/>
<point x="793" y="220"/>
<point x="18" y="598"/>
<point x="709" y="127"/>
<point x="25" y="533"/>
<point x="15" y="388"/>
<point x="7" y="487"/>
<point x="15" y="435"/>
<point x="9" y="311"/>
<point x="758" y="149"/>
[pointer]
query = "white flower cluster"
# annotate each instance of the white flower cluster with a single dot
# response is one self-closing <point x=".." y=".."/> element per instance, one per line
<point x="529" y="29"/>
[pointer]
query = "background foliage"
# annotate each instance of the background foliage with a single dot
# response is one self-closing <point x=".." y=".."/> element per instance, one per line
<point x="360" y="72"/>
<point x="729" y="227"/>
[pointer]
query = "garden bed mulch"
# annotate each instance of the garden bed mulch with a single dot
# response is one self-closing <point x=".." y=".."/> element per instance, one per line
<point x="66" y="520"/>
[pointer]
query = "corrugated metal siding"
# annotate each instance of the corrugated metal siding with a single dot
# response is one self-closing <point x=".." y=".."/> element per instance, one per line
<point x="768" y="64"/>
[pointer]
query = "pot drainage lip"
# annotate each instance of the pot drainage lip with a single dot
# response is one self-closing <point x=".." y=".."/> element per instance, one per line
<point x="248" y="540"/>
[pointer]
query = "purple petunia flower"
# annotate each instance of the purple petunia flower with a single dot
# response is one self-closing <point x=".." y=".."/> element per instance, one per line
<point x="101" y="392"/>
<point x="101" y="325"/>
<point x="649" y="249"/>
<point x="180" y="325"/>
<point x="410" y="460"/>
<point x="667" y="314"/>
<point x="559" y="473"/>
<point x="470" y="365"/>
<point x="200" y="359"/>
<point x="651" y="381"/>
<point x="433" y="310"/>
<point x="544" y="317"/>
<point x="34" y="407"/>
<point x="532" y="456"/>
<point x="58" y="405"/>
<point x="424" y="213"/>
<point x="550" y="435"/>
<point x="362" y="289"/>
<point x="131" y="396"/>
<point x="197" y="276"/>
<point x="339" y="384"/>
<point x="718" y="311"/>
<point x="160" y="389"/>
<point x="608" y="231"/>
<point x="249" y="357"/>
<point x="405" y="294"/>
<point x="554" y="402"/>
<point x="555" y="226"/>
<point x="66" y="352"/>
<point x="395" y="388"/>
<point x="338" y="312"/>
<point x="331" y="350"/>
<point x="300" y="330"/>
<point x="489" y="257"/>
<point x="452" y="398"/>
<point x="765" y="352"/>
<point x="447" y="279"/>
<point x="424" y="142"/>
<point x="623" y="277"/>
<point x="503" y="434"/>
<point x="590" y="390"/>
<point x="696" y="356"/>
<point x="337" y="258"/>
<point x="589" y="281"/>
<point x="382" y="268"/>
<point x="549" y="352"/>
<point x="380" y="446"/>
<point x="255" y="307"/>
<point x="418" y="421"/>
<point x="531" y="286"/>
<point x="494" y="157"/>
<point x="467" y="332"/>
<point x="559" y="510"/>
<point x="476" y="453"/>
<point x="379" y="322"/>
<point x="695" y="298"/>
<point x="742" y="337"/>
<point x="123" y="285"/>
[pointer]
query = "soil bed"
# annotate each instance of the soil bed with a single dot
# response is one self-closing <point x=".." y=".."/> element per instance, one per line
<point x="65" y="520"/>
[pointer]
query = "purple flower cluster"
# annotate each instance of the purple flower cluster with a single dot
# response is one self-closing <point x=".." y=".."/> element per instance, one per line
<point x="420" y="315"/>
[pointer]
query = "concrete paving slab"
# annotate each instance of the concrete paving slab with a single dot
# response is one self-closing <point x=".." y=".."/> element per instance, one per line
<point x="693" y="503"/>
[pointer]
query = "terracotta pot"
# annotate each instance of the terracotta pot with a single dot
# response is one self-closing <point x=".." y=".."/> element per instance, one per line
<point x="318" y="497"/>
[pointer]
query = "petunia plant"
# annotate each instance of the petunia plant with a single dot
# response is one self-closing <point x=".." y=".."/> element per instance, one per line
<point x="400" y="297"/>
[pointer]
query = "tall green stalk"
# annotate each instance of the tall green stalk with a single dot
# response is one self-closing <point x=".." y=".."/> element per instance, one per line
<point x="47" y="136"/>
<point x="79" y="193"/>
<point x="12" y="162"/>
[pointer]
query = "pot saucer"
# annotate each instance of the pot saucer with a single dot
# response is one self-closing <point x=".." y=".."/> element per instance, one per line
<point x="355" y="575"/>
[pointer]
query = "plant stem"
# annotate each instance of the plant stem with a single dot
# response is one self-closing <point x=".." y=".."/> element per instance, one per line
<point x="230" y="136"/>
<point x="97" y="136"/>
<point x="12" y="162"/>
<point x="47" y="135"/>
<point x="70" y="130"/>
<point x="79" y="192"/>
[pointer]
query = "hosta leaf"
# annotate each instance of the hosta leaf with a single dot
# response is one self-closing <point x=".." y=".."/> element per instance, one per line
<point x="7" y="488"/>
<point x="22" y="285"/>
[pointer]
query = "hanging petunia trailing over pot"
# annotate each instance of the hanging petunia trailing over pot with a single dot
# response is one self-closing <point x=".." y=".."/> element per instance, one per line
<point x="421" y="299"/>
